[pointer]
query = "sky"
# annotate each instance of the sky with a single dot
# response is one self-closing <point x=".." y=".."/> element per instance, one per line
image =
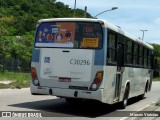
<point x="131" y="15"/>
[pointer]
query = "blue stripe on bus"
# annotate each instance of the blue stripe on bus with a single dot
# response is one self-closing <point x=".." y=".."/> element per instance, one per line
<point x="35" y="55"/>
<point x="101" y="55"/>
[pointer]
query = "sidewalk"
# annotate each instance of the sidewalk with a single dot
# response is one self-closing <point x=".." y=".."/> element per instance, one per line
<point x="156" y="111"/>
<point x="158" y="104"/>
<point x="152" y="110"/>
<point x="5" y="82"/>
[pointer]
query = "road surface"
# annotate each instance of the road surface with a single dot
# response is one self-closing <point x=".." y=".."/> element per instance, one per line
<point x="22" y="100"/>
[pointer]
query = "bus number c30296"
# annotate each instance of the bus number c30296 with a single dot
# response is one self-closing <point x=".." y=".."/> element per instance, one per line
<point x="79" y="62"/>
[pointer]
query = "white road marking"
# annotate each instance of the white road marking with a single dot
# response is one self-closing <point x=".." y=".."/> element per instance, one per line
<point x="138" y="110"/>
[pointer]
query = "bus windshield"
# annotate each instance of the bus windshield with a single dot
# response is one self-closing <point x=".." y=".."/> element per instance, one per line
<point x="80" y="35"/>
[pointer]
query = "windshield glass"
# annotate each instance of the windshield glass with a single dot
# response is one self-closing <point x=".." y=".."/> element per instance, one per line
<point x="69" y="35"/>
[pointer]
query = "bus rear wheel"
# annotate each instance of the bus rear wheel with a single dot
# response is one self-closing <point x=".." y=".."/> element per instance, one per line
<point x="142" y="96"/>
<point x="145" y="91"/>
<point x="123" y="104"/>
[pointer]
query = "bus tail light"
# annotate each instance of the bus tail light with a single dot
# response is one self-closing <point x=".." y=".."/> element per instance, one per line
<point x="97" y="81"/>
<point x="35" y="80"/>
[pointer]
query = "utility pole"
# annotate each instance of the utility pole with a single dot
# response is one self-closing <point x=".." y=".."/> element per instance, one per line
<point x="143" y="33"/>
<point x="74" y="14"/>
<point x="85" y="12"/>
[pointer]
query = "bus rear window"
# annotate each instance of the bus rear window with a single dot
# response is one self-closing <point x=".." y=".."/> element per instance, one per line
<point x="69" y="35"/>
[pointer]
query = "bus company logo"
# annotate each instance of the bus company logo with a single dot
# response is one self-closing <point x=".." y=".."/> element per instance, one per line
<point x="6" y="114"/>
<point x="21" y="114"/>
<point x="46" y="59"/>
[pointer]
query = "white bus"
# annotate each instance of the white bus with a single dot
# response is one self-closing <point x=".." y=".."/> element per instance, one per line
<point x="82" y="58"/>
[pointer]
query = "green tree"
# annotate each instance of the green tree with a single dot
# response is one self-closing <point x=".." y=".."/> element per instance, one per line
<point x="18" y="19"/>
<point x="157" y="51"/>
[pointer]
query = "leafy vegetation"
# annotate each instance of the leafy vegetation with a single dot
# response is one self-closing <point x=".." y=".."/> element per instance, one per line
<point x="156" y="60"/>
<point x="4" y="86"/>
<point x="18" y="80"/>
<point x="157" y="51"/>
<point x="18" y="20"/>
<point x="19" y="17"/>
<point x="156" y="79"/>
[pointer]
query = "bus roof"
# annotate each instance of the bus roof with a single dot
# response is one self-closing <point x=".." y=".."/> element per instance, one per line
<point x="128" y="35"/>
<point x="106" y="24"/>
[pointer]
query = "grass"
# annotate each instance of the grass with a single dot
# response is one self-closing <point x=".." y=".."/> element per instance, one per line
<point x="156" y="79"/>
<point x="4" y="86"/>
<point x="18" y="80"/>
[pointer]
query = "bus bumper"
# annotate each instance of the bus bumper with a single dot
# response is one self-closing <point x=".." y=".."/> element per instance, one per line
<point x="68" y="93"/>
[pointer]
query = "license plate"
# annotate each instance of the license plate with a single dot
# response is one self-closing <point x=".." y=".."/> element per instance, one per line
<point x="63" y="79"/>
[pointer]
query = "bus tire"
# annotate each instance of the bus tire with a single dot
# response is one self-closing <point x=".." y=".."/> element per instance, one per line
<point x="142" y="96"/>
<point x="145" y="91"/>
<point x="124" y="102"/>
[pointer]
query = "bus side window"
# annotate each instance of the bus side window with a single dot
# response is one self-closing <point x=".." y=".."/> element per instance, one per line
<point x="145" y="57"/>
<point x="111" y="54"/>
<point x="135" y="54"/>
<point x="140" y="56"/>
<point x="149" y="59"/>
<point x="129" y="52"/>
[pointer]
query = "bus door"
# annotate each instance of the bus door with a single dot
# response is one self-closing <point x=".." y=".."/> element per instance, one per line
<point x="120" y="70"/>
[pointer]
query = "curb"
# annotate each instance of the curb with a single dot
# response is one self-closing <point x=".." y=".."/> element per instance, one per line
<point x="5" y="82"/>
<point x="158" y="103"/>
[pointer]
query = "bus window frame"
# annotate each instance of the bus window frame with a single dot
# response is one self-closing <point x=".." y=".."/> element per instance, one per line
<point x="99" y="48"/>
<point x="126" y="39"/>
<point x="111" y="48"/>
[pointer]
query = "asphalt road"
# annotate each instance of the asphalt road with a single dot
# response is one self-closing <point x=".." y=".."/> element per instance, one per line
<point x="21" y="100"/>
